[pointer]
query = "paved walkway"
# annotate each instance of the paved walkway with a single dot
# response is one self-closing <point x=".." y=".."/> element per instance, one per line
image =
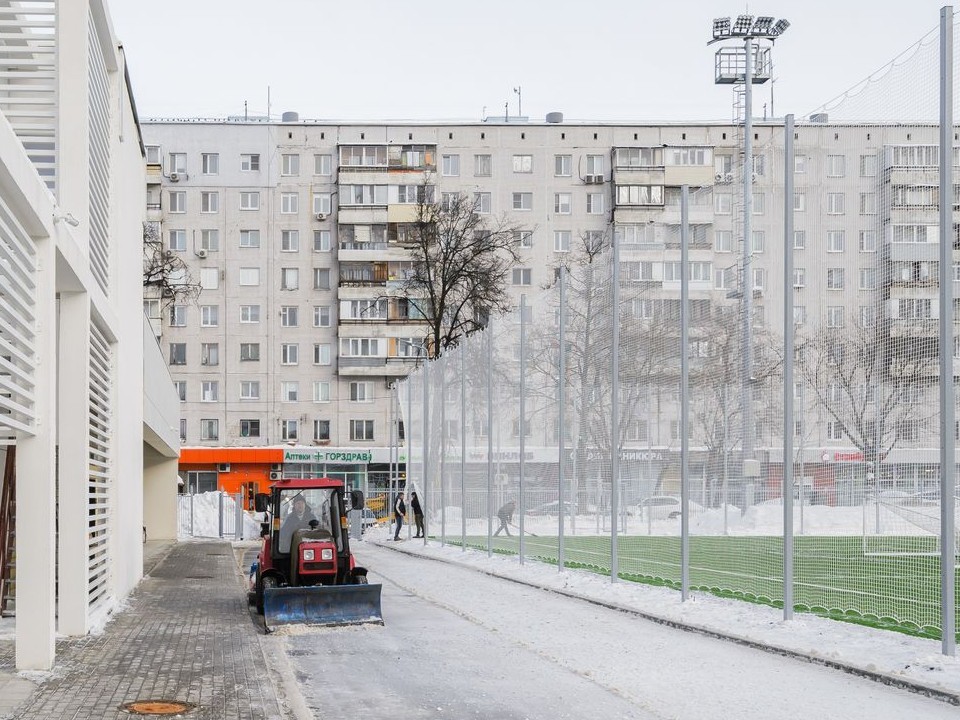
<point x="186" y="634"/>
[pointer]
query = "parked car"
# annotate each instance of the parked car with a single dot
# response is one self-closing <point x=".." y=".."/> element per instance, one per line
<point x="552" y="508"/>
<point x="663" y="507"/>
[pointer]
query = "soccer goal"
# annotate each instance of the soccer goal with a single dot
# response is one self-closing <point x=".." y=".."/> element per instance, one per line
<point x="903" y="525"/>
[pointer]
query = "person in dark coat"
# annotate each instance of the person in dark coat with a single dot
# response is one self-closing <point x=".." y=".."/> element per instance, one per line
<point x="399" y="510"/>
<point x="417" y="513"/>
<point x="505" y="515"/>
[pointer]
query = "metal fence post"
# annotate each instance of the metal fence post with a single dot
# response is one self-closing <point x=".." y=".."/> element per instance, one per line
<point x="561" y="388"/>
<point x="220" y="512"/>
<point x="489" y="333"/>
<point x="523" y="413"/>
<point x="684" y="392"/>
<point x="615" y="413"/>
<point x="788" y="359"/>
<point x="463" y="449"/>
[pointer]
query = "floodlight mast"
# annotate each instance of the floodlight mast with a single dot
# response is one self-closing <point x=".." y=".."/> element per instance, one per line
<point x="753" y="66"/>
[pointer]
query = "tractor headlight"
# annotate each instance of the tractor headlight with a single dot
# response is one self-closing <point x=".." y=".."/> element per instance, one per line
<point x="326" y="554"/>
<point x="308" y="555"/>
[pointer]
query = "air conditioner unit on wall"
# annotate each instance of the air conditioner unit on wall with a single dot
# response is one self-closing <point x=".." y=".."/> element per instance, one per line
<point x="201" y="253"/>
<point x="223" y="467"/>
<point x="276" y="467"/>
<point x="321" y="216"/>
<point x="275" y="474"/>
<point x="174" y="177"/>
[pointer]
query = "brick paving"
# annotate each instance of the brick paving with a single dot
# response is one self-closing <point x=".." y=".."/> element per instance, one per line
<point x="186" y="634"/>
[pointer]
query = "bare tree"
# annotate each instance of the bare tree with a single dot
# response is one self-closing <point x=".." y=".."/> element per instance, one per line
<point x="165" y="274"/>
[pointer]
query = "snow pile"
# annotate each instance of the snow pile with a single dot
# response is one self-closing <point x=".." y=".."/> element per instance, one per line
<point x="200" y="516"/>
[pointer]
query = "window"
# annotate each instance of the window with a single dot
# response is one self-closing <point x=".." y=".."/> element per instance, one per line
<point x="693" y="156"/>
<point x="289" y="391"/>
<point x="289" y="203"/>
<point x="522" y="201"/>
<point x="289" y="316"/>
<point x="482" y="202"/>
<point x="563" y="165"/>
<point x="181" y="387"/>
<point x="759" y="165"/>
<point x="562" y="203"/>
<point x="322" y="203"/>
<point x="723" y="240"/>
<point x="177" y="240"/>
<point x="799" y="163"/>
<point x="210" y="163"/>
<point x="289" y="278"/>
<point x="868" y="203"/>
<point x="321" y="391"/>
<point x="361" y="429"/>
<point x="521" y="276"/>
<point x="868" y="278"/>
<point x="836" y="165"/>
<point x="450" y="165"/>
<point x="834" y="278"/>
<point x="908" y="430"/>
<point x="321" y="316"/>
<point x="363" y="155"/>
<point x="249" y="352"/>
<point x="289" y="429"/>
<point x="799" y="277"/>
<point x="360" y="347"/>
<point x="595" y="165"/>
<point x="249" y="428"/>
<point x="799" y="201"/>
<point x="561" y="243"/>
<point x="759" y="278"/>
<point x="640" y="157"/>
<point x="209" y="391"/>
<point x="759" y="203"/>
<point x="249" y="389"/>
<point x="835" y="316"/>
<point x="835" y="204"/>
<point x="321" y="278"/>
<point x="249" y="201"/>
<point x="799" y="239"/>
<point x="210" y="429"/>
<point x="361" y="392"/>
<point x="249" y="313"/>
<point x="723" y="203"/>
<point x="178" y="201"/>
<point x="836" y="241"/>
<point x="249" y="276"/>
<point x="178" y="163"/>
<point x="523" y="163"/>
<point x="595" y="203"/>
<point x="289" y="354"/>
<point x="209" y="202"/>
<point x="868" y="165"/>
<point x="868" y="316"/>
<point x="321" y="353"/>
<point x="210" y="240"/>
<point x="289" y="240"/>
<point x="321" y="241"/>
<point x="758" y="241"/>
<point x="209" y="353"/>
<point x="834" y="430"/>
<point x="799" y="314"/>
<point x="249" y="238"/>
<point x="482" y="165"/>
<point x="323" y="165"/>
<point x="209" y="278"/>
<point x="868" y="241"/>
<point x="321" y="429"/>
<point x="153" y="154"/>
<point x="523" y="238"/>
<point x="178" y="315"/>
<point x="289" y="164"/>
<point x="178" y="353"/>
<point x="209" y="315"/>
<point x="639" y="194"/>
<point x="250" y="162"/>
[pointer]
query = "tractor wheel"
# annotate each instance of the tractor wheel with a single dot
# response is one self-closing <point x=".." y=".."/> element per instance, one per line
<point x="263" y="582"/>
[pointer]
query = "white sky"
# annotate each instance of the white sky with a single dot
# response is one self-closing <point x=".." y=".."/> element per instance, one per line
<point x="603" y="60"/>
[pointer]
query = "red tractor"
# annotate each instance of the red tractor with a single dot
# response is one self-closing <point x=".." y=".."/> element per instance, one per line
<point x="305" y="570"/>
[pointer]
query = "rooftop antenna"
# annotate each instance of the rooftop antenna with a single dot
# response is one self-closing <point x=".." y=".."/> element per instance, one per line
<point x="268" y="103"/>
<point x="506" y="111"/>
<point x="245" y="116"/>
<point x="519" y="100"/>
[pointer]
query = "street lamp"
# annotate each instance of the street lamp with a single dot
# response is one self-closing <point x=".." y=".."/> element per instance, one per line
<point x="748" y="65"/>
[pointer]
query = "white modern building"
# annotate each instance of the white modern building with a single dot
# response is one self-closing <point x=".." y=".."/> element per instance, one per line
<point x="88" y="408"/>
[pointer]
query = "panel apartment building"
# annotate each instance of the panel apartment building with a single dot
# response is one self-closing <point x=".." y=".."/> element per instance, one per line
<point x="295" y="231"/>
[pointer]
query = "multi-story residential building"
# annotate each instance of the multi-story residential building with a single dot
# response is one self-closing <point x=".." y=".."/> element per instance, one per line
<point x="295" y="231"/>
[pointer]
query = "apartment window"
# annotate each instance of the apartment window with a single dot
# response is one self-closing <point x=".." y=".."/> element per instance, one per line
<point x="639" y="194"/>
<point x="523" y="238"/>
<point x="561" y="242"/>
<point x="250" y="162"/>
<point x="321" y="353"/>
<point x="209" y="353"/>
<point x="868" y="241"/>
<point x="562" y="203"/>
<point x="289" y="278"/>
<point x="521" y="276"/>
<point x="249" y="428"/>
<point x="289" y="354"/>
<point x="181" y="387"/>
<point x="360" y="347"/>
<point x="563" y="165"/>
<point x="321" y="316"/>
<point x="289" y="429"/>
<point x="321" y="391"/>
<point x="722" y="203"/>
<point x="321" y="429"/>
<point x="868" y="165"/>
<point x="523" y="163"/>
<point x="322" y="203"/>
<point x="450" y="165"/>
<point x="209" y="202"/>
<point x="835" y="316"/>
<point x="177" y="201"/>
<point x="289" y="240"/>
<point x="868" y="203"/>
<point x="290" y="391"/>
<point x="289" y="316"/>
<point x="447" y="200"/>
<point x="209" y="278"/>
<point x="836" y="166"/>
<point x="210" y="240"/>
<point x="361" y="429"/>
<point x="799" y="201"/>
<point x="210" y="163"/>
<point x="209" y="391"/>
<point x="178" y="315"/>
<point x="835" y="203"/>
<point x="321" y="278"/>
<point x="249" y="276"/>
<point x="595" y="203"/>
<point x="249" y="389"/>
<point x="758" y="241"/>
<point x="759" y="278"/>
<point x="209" y="315"/>
<point x="363" y="155"/>
<point x="799" y="277"/>
<point x="361" y="392"/>
<point x="249" y="238"/>
<point x="289" y="164"/>
<point x="799" y="314"/>
<point x="153" y="154"/>
<point x="178" y="163"/>
<point x="759" y="203"/>
<point x="522" y="201"/>
<point x="908" y="430"/>
<point x="321" y="241"/>
<point x="868" y="278"/>
<point x="178" y="353"/>
<point x="210" y="429"/>
<point x="868" y="316"/>
<point x="177" y="240"/>
<point x="799" y="239"/>
<point x="836" y="241"/>
<point x="799" y="163"/>
<point x="249" y="201"/>
<point x="482" y="202"/>
<point x="482" y="165"/>
<point x="289" y="203"/>
<point x="323" y="165"/>
<point x="834" y="278"/>
<point x="759" y="165"/>
<point x="595" y="165"/>
<point x="249" y="352"/>
<point x="723" y="241"/>
<point x="249" y="313"/>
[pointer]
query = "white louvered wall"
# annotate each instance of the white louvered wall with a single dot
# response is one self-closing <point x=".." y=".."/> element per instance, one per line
<point x="99" y="90"/>
<point x="99" y="508"/>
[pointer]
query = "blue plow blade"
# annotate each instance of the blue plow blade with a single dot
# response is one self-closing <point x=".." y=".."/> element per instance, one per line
<point x="322" y="605"/>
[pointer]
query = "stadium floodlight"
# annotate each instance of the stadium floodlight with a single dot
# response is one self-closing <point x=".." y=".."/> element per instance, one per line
<point x="742" y="25"/>
<point x="721" y="28"/>
<point x="780" y="27"/>
<point x="762" y="25"/>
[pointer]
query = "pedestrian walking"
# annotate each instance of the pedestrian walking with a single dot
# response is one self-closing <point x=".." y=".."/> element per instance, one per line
<point x="399" y="510"/>
<point x="417" y="513"/>
<point x="505" y="515"/>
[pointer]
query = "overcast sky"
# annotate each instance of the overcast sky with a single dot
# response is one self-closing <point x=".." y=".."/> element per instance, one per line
<point x="604" y="60"/>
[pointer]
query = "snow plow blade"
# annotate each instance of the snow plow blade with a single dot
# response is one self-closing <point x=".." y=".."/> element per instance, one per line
<point x="322" y="605"/>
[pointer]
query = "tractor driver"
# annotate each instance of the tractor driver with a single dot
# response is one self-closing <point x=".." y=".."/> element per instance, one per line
<point x="298" y="519"/>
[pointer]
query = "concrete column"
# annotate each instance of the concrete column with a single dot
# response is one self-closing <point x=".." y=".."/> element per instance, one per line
<point x="36" y="488"/>
<point x="160" y="496"/>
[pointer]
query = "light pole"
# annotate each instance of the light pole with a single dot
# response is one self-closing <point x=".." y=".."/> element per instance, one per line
<point x="747" y="66"/>
<point x="421" y="350"/>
